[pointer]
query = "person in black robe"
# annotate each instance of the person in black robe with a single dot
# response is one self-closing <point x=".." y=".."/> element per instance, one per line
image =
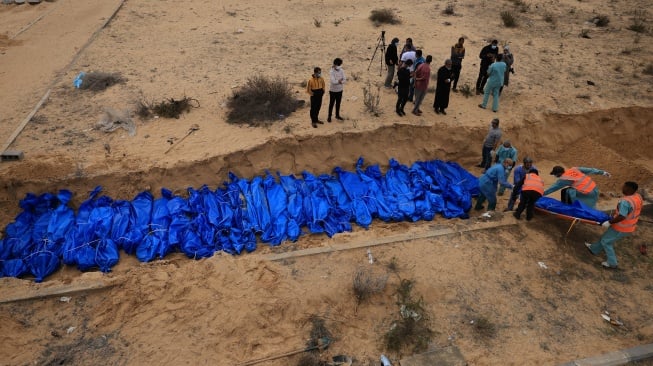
<point x="443" y="88"/>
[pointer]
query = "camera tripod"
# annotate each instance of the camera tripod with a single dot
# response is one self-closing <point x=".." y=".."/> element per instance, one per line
<point x="380" y="44"/>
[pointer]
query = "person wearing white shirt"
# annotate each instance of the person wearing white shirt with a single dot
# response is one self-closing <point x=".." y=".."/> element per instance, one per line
<point x="337" y="79"/>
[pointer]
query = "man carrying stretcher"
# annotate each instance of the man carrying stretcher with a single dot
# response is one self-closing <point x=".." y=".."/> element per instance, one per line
<point x="576" y="185"/>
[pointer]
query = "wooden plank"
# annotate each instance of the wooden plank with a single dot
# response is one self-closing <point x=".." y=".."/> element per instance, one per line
<point x="40" y="291"/>
<point x="366" y="243"/>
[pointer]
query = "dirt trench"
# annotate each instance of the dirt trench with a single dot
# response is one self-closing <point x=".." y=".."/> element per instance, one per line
<point x="617" y="140"/>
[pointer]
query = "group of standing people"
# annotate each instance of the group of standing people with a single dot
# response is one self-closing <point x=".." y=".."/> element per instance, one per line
<point x="494" y="73"/>
<point x="315" y="87"/>
<point x="575" y="184"/>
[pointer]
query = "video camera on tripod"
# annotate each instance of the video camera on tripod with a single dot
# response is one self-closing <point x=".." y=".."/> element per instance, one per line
<point x="380" y="44"/>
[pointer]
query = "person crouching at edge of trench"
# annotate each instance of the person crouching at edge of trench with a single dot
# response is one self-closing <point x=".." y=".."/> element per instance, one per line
<point x="488" y="182"/>
<point x="622" y="223"/>
<point x="315" y="88"/>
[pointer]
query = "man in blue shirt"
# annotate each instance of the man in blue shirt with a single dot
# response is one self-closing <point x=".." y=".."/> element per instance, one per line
<point x="518" y="175"/>
<point x="506" y="150"/>
<point x="488" y="182"/>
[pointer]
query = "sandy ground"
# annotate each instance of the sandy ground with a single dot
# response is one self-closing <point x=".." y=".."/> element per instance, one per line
<point x="225" y="310"/>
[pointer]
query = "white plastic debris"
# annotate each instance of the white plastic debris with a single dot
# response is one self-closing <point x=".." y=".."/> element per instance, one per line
<point x="369" y="256"/>
<point x="487" y="215"/>
<point x="70" y="330"/>
<point x="64" y="299"/>
<point x="542" y="265"/>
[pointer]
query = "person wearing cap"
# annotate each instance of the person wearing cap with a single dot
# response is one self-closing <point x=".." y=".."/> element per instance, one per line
<point x="576" y="185"/>
<point x="532" y="187"/>
<point x="490" y="143"/>
<point x="487" y="56"/>
<point x="622" y="223"/>
<point x="518" y="175"/>
<point x="509" y="59"/>
<point x="487" y="184"/>
<point x="506" y="150"/>
<point x="391" y="59"/>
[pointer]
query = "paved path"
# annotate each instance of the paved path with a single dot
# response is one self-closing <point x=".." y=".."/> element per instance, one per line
<point x="49" y="36"/>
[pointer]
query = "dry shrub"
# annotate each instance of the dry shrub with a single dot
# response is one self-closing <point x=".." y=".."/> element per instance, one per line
<point x="412" y="326"/>
<point x="367" y="283"/>
<point x="484" y="328"/>
<point x="549" y="18"/>
<point x="384" y="16"/>
<point x="171" y="108"/>
<point x="98" y="81"/>
<point x="648" y="70"/>
<point x="449" y="10"/>
<point x="508" y="19"/>
<point x="639" y="22"/>
<point x="466" y="90"/>
<point x="372" y="99"/>
<point x="320" y="335"/>
<point x="261" y="99"/>
<point x="601" y="20"/>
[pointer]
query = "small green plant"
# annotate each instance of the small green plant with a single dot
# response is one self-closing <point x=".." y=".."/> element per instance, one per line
<point x="337" y="22"/>
<point x="508" y="19"/>
<point x="601" y="20"/>
<point x="449" y="10"/>
<point x="372" y="99"/>
<point x="466" y="90"/>
<point x="367" y="283"/>
<point x="317" y="22"/>
<point x="484" y="328"/>
<point x="412" y="326"/>
<point x="384" y="16"/>
<point x="648" y="70"/>
<point x="639" y="22"/>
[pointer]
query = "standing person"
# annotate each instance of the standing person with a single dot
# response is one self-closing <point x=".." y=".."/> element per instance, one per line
<point x="518" y="174"/>
<point x="622" y="223"/>
<point x="457" y="55"/>
<point x="315" y="88"/>
<point x="391" y="59"/>
<point x="487" y="184"/>
<point x="495" y="73"/>
<point x="337" y="79"/>
<point x="578" y="185"/>
<point x="403" y="75"/>
<point x="509" y="59"/>
<point x="443" y="87"/>
<point x="419" y="59"/>
<point x="490" y="143"/>
<point x="532" y="187"/>
<point x="487" y="55"/>
<point x="408" y="46"/>
<point x="410" y="55"/>
<point x="506" y="150"/>
<point x="422" y="77"/>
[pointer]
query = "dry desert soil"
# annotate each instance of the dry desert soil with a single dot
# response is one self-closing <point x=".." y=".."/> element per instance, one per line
<point x="504" y="292"/>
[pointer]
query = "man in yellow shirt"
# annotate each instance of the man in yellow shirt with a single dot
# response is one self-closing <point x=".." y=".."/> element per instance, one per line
<point x="315" y="88"/>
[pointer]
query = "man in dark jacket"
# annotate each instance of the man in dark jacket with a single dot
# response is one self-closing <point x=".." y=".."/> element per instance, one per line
<point x="391" y="59"/>
<point x="487" y="55"/>
<point x="403" y="75"/>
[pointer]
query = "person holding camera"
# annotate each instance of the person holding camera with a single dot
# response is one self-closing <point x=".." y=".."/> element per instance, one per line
<point x="509" y="59"/>
<point x="315" y="88"/>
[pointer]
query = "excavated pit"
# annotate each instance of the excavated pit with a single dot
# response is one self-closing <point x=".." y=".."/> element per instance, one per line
<point x="616" y="140"/>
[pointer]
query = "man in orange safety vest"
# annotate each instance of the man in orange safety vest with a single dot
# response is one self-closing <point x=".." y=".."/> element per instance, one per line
<point x="622" y="223"/>
<point x="576" y="185"/>
<point x="532" y="188"/>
